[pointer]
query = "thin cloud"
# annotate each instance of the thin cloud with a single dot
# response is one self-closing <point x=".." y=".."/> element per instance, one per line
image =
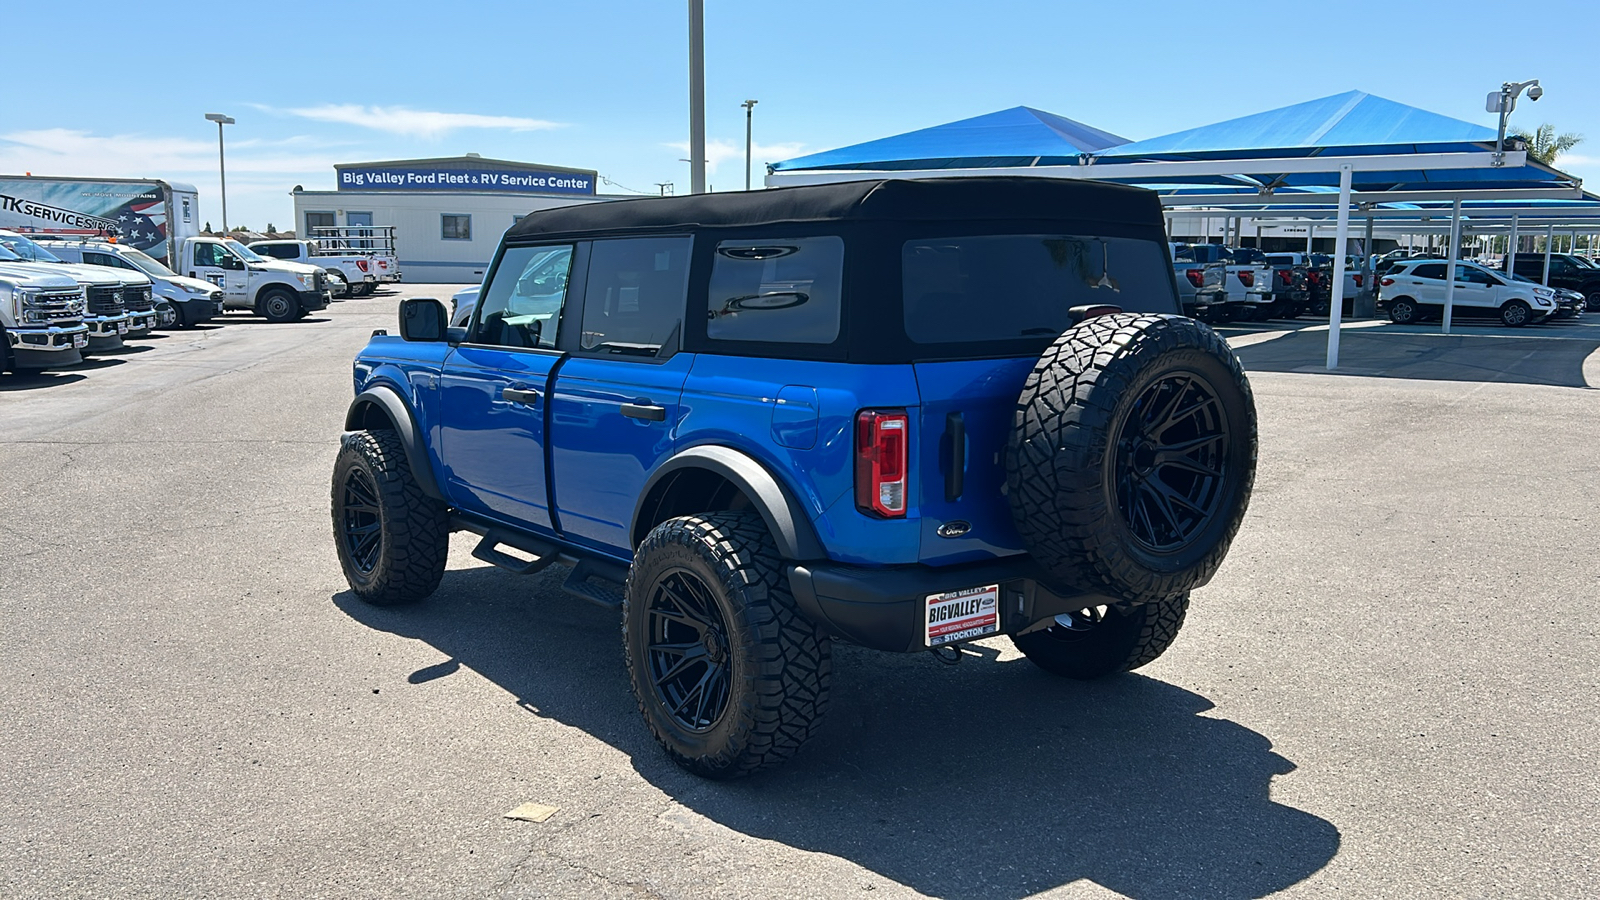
<point x="62" y="151"/>
<point x="418" y="123"/>
<point x="719" y="151"/>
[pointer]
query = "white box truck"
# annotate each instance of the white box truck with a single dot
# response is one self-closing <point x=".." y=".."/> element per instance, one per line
<point x="147" y="214"/>
<point x="163" y="219"/>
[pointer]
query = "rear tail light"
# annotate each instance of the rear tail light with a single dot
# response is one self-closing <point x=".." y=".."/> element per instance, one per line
<point x="1194" y="276"/>
<point x="881" y="462"/>
<point x="1286" y="275"/>
<point x="1385" y="282"/>
<point x="361" y="264"/>
<point x="1314" y="277"/>
<point x="1248" y="279"/>
<point x="1358" y="280"/>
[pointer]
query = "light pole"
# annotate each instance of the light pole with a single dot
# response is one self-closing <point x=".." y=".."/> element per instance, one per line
<point x="749" y="108"/>
<point x="1503" y="102"/>
<point x="697" y="96"/>
<point x="222" y="165"/>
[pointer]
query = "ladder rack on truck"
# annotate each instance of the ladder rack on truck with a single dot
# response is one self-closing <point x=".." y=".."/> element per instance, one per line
<point x="337" y="240"/>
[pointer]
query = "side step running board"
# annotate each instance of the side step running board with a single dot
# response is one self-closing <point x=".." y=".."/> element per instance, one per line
<point x="597" y="582"/>
<point x="489" y="551"/>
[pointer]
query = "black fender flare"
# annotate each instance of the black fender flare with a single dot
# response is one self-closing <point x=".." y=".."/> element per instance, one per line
<point x="791" y="527"/>
<point x="394" y="408"/>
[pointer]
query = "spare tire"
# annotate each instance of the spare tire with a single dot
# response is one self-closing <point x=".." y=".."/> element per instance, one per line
<point x="1132" y="455"/>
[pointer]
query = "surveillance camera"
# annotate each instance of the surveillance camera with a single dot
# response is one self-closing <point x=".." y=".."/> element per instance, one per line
<point x="1535" y="92"/>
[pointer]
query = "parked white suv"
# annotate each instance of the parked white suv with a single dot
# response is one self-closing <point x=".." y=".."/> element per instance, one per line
<point x="1414" y="290"/>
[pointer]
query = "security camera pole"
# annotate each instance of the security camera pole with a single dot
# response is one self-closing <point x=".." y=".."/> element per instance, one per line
<point x="697" y="96"/>
<point x="749" y="107"/>
<point x="1503" y="102"/>
<point x="222" y="165"/>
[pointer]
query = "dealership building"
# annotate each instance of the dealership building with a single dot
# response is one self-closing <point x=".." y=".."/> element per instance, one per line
<point x="448" y="214"/>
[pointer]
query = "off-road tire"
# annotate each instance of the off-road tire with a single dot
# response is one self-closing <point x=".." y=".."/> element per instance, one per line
<point x="1515" y="314"/>
<point x="1122" y="641"/>
<point x="278" y="305"/>
<point x="1082" y="467"/>
<point x="414" y="529"/>
<point x="780" y="664"/>
<point x="1403" y="311"/>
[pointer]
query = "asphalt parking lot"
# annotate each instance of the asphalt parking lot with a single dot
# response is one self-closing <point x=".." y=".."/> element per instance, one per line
<point x="1389" y="690"/>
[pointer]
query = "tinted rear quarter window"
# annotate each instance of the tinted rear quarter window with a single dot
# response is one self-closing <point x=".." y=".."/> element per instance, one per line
<point x="1429" y="270"/>
<point x="778" y="291"/>
<point x="1006" y="287"/>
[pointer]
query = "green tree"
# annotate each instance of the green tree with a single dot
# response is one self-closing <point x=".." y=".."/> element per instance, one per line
<point x="1544" y="144"/>
<point x="271" y="228"/>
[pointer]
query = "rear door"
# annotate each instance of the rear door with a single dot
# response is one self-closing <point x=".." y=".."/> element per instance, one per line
<point x="616" y="400"/>
<point x="1017" y="289"/>
<point x="495" y="389"/>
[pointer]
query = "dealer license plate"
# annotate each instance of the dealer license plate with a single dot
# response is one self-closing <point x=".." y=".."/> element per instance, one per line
<point x="961" y="615"/>
<point x="80" y="341"/>
<point x="122" y="328"/>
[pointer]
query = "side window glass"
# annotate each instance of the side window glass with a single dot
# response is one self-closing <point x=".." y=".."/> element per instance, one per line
<point x="205" y="254"/>
<point x="1429" y="271"/>
<point x="633" y="305"/>
<point x="784" y="290"/>
<point x="522" y="307"/>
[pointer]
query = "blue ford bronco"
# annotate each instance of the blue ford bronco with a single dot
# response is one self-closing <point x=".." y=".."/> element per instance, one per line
<point x="904" y="414"/>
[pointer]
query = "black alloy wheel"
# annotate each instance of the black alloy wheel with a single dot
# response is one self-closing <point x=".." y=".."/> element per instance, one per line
<point x="689" y="661"/>
<point x="1402" y="311"/>
<point x="1170" y="462"/>
<point x="361" y="527"/>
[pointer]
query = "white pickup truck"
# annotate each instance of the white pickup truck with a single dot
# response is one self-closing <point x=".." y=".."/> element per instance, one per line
<point x="359" y="268"/>
<point x="276" y="290"/>
<point x="41" y="319"/>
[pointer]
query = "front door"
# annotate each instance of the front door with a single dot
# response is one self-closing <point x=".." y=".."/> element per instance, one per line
<point x="618" y="398"/>
<point x="495" y="390"/>
<point x="217" y="264"/>
<point x="1474" y="290"/>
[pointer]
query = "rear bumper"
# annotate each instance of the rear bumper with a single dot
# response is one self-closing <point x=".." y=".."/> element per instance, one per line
<point x="884" y="607"/>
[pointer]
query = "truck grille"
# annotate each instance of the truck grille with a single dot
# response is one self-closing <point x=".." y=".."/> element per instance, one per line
<point x="137" y="298"/>
<point x="105" y="301"/>
<point x="58" y="305"/>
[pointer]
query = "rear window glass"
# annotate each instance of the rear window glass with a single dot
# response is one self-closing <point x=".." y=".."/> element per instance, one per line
<point x="781" y="291"/>
<point x="1003" y="287"/>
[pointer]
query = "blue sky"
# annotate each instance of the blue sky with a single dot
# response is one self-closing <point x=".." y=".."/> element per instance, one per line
<point x="111" y="90"/>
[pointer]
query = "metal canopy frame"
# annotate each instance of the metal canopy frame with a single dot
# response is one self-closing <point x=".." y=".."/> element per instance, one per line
<point x="1180" y="175"/>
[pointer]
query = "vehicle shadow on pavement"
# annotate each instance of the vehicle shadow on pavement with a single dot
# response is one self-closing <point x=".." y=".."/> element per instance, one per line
<point x="33" y="381"/>
<point x="1527" y="358"/>
<point x="982" y="780"/>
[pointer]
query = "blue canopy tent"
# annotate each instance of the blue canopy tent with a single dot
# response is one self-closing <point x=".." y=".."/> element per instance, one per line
<point x="1020" y="136"/>
<point x="1335" y="151"/>
<point x="1353" y="123"/>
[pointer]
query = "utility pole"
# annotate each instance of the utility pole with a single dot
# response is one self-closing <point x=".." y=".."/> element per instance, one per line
<point x="222" y="164"/>
<point x="666" y="188"/>
<point x="697" y="96"/>
<point x="749" y="107"/>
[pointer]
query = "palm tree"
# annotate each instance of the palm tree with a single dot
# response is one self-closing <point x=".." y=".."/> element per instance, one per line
<point x="1545" y="145"/>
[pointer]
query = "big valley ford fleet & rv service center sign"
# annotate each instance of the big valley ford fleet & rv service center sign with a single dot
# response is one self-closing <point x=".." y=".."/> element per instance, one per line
<point x="437" y="178"/>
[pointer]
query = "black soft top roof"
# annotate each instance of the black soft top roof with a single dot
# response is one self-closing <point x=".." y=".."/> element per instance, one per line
<point x="887" y="199"/>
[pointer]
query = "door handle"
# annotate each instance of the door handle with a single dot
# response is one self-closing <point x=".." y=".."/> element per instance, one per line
<point x="645" y="411"/>
<point x="518" y="395"/>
